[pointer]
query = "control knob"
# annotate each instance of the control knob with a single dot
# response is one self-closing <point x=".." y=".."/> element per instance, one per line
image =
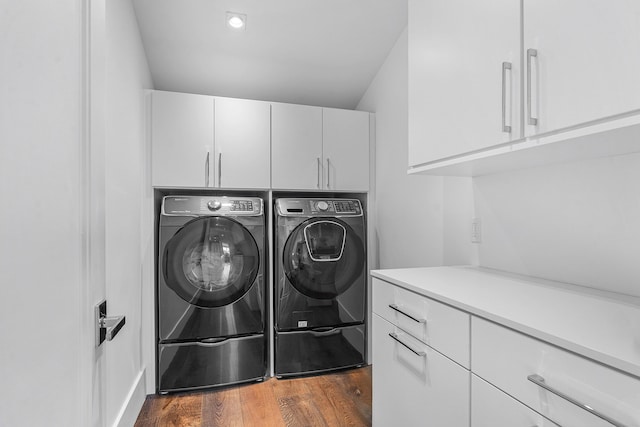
<point x="322" y="206"/>
<point x="214" y="205"/>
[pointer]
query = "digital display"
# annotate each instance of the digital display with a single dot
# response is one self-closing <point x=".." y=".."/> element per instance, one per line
<point x="242" y="206"/>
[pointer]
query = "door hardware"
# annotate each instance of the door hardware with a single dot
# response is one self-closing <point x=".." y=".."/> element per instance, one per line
<point x="106" y="327"/>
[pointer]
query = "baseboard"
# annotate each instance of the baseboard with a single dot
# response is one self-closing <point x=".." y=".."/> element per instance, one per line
<point x="132" y="405"/>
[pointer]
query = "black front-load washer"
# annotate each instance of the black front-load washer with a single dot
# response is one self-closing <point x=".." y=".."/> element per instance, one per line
<point x="210" y="292"/>
<point x="320" y="285"/>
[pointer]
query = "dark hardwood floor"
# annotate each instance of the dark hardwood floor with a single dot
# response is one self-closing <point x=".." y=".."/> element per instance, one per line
<point x="338" y="399"/>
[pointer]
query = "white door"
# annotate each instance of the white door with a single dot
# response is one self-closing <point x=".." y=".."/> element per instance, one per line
<point x="587" y="62"/>
<point x="296" y="147"/>
<point x="242" y="143"/>
<point x="345" y="146"/>
<point x="47" y="353"/>
<point x="182" y="140"/>
<point x="457" y="49"/>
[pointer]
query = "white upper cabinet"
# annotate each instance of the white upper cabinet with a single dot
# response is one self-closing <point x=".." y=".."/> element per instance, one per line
<point x="242" y="143"/>
<point x="345" y="149"/>
<point x="501" y="84"/>
<point x="182" y="139"/>
<point x="316" y="148"/>
<point x="202" y="141"/>
<point x="296" y="148"/>
<point x="586" y="62"/>
<point x="464" y="76"/>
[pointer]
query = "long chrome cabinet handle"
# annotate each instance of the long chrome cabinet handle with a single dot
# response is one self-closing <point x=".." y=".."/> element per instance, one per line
<point x="530" y="54"/>
<point x="319" y="168"/>
<point x="206" y="171"/>
<point x="404" y="313"/>
<point x="220" y="170"/>
<point x="328" y="174"/>
<point x="417" y="353"/>
<point x="506" y="66"/>
<point x="538" y="380"/>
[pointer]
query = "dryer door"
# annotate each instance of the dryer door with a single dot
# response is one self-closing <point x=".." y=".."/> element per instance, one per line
<point x="323" y="257"/>
<point x="211" y="261"/>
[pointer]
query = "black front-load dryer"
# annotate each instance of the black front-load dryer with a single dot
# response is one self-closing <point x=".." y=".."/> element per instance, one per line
<point x="320" y="285"/>
<point x="210" y="292"/>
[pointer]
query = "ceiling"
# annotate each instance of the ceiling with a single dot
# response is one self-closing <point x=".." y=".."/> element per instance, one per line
<point x="313" y="52"/>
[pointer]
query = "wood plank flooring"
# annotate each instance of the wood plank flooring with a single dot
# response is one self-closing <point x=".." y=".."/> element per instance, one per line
<point x="338" y="399"/>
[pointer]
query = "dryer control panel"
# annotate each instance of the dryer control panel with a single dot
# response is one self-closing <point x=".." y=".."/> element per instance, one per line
<point x="318" y="207"/>
<point x="211" y="205"/>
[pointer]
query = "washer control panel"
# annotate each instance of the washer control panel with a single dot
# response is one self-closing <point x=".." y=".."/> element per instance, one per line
<point x="318" y="207"/>
<point x="211" y="205"/>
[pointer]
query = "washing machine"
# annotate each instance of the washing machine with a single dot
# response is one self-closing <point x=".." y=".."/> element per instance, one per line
<point x="210" y="292"/>
<point x="320" y="285"/>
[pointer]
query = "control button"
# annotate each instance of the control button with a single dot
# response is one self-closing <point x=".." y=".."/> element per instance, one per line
<point x="322" y="206"/>
<point x="214" y="205"/>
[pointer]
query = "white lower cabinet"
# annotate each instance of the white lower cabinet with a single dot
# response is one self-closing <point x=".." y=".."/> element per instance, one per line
<point x="547" y="378"/>
<point x="491" y="407"/>
<point x="414" y="385"/>
<point x="420" y="354"/>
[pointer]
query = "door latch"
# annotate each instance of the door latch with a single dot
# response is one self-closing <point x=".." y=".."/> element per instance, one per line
<point x="106" y="327"/>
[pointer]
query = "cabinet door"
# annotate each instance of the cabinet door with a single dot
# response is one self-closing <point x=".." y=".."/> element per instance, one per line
<point x="181" y="139"/>
<point x="456" y="53"/>
<point x="491" y="407"/>
<point x="345" y="145"/>
<point x="242" y="143"/>
<point x="415" y="390"/>
<point x="296" y="147"/>
<point x="511" y="361"/>
<point x="587" y="62"/>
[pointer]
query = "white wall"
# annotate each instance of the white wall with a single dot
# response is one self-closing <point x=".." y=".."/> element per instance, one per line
<point x="128" y="209"/>
<point x="575" y="222"/>
<point x="420" y="220"/>
<point x="41" y="157"/>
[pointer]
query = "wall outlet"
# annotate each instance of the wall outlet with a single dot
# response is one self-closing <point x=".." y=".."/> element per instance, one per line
<point x="476" y="230"/>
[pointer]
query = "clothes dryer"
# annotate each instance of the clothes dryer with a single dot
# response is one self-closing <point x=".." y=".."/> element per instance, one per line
<point x="210" y="292"/>
<point x="320" y="285"/>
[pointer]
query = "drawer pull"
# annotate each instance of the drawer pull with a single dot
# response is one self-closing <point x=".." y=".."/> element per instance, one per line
<point x="538" y="380"/>
<point x="417" y="353"/>
<point x="396" y="308"/>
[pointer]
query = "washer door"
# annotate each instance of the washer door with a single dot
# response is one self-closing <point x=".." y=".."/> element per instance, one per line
<point x="323" y="257"/>
<point x="211" y="261"/>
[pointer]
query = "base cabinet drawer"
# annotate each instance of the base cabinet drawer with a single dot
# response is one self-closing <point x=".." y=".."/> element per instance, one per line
<point x="513" y="362"/>
<point x="414" y="385"/>
<point x="491" y="407"/>
<point x="444" y="328"/>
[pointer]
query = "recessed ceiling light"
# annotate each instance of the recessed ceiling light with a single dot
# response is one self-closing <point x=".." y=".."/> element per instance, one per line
<point x="236" y="21"/>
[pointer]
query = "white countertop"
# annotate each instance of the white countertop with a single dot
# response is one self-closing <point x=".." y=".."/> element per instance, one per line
<point x="602" y="326"/>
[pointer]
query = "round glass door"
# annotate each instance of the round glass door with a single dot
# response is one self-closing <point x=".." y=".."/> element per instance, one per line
<point x="211" y="262"/>
<point x="323" y="257"/>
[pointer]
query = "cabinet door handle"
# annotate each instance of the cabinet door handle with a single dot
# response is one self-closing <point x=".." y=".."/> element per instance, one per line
<point x="539" y="381"/>
<point x="319" y="169"/>
<point x="417" y="353"/>
<point x="206" y="171"/>
<point x="530" y="54"/>
<point x="404" y="313"/>
<point x="506" y="66"/>
<point x="219" y="169"/>
<point x="328" y="174"/>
